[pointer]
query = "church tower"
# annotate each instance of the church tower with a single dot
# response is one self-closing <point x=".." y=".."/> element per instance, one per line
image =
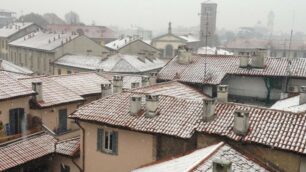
<point x="208" y="23"/>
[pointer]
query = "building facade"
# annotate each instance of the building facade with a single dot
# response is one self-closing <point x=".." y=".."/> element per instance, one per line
<point x="208" y="23"/>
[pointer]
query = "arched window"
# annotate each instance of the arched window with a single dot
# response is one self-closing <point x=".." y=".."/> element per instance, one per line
<point x="169" y="51"/>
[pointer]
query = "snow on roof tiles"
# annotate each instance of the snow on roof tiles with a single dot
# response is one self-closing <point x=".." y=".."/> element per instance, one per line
<point x="11" y="87"/>
<point x="119" y="43"/>
<point x="53" y="92"/>
<point x="120" y="63"/>
<point x="68" y="147"/>
<point x="25" y="149"/>
<point x="81" y="83"/>
<point x="291" y="104"/>
<point x="212" y="50"/>
<point x="218" y="66"/>
<point x="13" y="28"/>
<point x="11" y="67"/>
<point x="189" y="38"/>
<point x="46" y="41"/>
<point x="202" y="160"/>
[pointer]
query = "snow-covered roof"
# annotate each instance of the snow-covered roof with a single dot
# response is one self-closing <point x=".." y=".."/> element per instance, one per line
<point x="13" y="28"/>
<point x="46" y="41"/>
<point x="290" y="104"/>
<point x="213" y="50"/>
<point x="68" y="147"/>
<point x="120" y="63"/>
<point x="11" y="67"/>
<point x="119" y="43"/>
<point x="189" y="38"/>
<point x="201" y="160"/>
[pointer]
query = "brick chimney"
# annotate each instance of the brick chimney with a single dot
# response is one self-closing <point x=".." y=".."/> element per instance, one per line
<point x="106" y="90"/>
<point x="37" y="87"/>
<point x="152" y="102"/>
<point x="145" y="81"/>
<point x="221" y="165"/>
<point x="241" y="122"/>
<point x="184" y="56"/>
<point x="302" y="95"/>
<point x="209" y="106"/>
<point x="135" y="104"/>
<point x="222" y="93"/>
<point x="153" y="78"/>
<point x="117" y="84"/>
<point x="259" y="59"/>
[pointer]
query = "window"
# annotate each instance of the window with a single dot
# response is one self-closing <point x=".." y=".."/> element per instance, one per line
<point x="68" y="71"/>
<point x="65" y="168"/>
<point x="16" y="121"/>
<point x="169" y="51"/>
<point x="62" y="116"/>
<point x="107" y="141"/>
<point x="59" y="71"/>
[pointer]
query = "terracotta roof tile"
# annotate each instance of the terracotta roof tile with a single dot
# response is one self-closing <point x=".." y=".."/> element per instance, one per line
<point x="68" y="147"/>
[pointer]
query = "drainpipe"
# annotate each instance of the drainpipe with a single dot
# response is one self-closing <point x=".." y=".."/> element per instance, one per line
<point x="80" y="169"/>
<point x="83" y="147"/>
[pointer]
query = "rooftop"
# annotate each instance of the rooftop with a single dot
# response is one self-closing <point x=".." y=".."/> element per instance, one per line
<point x="11" y="67"/>
<point x="46" y="41"/>
<point x="213" y="50"/>
<point x="69" y="147"/>
<point x="218" y="66"/>
<point x="120" y="43"/>
<point x="202" y="160"/>
<point x="189" y="38"/>
<point x="290" y="104"/>
<point x="119" y="63"/>
<point x="13" y="28"/>
<point x="11" y="87"/>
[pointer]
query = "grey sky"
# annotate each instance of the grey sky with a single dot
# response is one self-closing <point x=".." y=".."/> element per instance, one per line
<point x="155" y="14"/>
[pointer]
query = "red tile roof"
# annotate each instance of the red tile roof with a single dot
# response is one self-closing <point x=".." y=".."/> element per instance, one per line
<point x="218" y="66"/>
<point x="53" y="92"/>
<point x="68" y="147"/>
<point x="25" y="150"/>
<point x="11" y="87"/>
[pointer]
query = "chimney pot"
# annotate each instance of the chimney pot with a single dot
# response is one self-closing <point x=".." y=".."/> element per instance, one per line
<point x="135" y="104"/>
<point x="117" y="84"/>
<point x="244" y="61"/>
<point x="145" y="81"/>
<point x="208" y="109"/>
<point x="152" y="102"/>
<point x="241" y="122"/>
<point x="37" y="87"/>
<point x="153" y="78"/>
<point x="259" y="60"/>
<point x="106" y="90"/>
<point x="222" y="93"/>
<point x="184" y="56"/>
<point x="302" y="95"/>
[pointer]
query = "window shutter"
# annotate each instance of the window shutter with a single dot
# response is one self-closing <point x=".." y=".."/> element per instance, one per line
<point x="100" y="138"/>
<point x="115" y="143"/>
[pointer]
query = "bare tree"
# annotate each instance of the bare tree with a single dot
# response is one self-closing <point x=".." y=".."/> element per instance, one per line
<point x="72" y="18"/>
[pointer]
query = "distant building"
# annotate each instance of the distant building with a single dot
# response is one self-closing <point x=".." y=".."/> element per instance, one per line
<point x="100" y="34"/>
<point x="6" y="17"/>
<point x="138" y="32"/>
<point x="168" y="43"/>
<point x="118" y="63"/>
<point x="208" y="23"/>
<point x="38" y="49"/>
<point x="11" y="67"/>
<point x="213" y="50"/>
<point x="12" y="32"/>
<point x="133" y="46"/>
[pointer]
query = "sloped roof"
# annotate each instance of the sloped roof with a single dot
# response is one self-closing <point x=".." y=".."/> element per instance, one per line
<point x="46" y="41"/>
<point x="25" y="149"/>
<point x="11" y="67"/>
<point x="81" y="83"/>
<point x="128" y="79"/>
<point x="68" y="147"/>
<point x="173" y="88"/>
<point x="218" y="66"/>
<point x="13" y="28"/>
<point x="53" y="92"/>
<point x="290" y="104"/>
<point x="189" y="38"/>
<point x="10" y="87"/>
<point x="120" y="63"/>
<point x="212" y="50"/>
<point x="201" y="160"/>
<point x="120" y="43"/>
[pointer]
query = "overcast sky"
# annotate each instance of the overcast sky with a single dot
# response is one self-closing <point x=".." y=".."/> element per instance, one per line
<point x="155" y="14"/>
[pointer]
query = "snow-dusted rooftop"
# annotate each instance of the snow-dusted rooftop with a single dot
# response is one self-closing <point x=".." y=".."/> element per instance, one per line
<point x="120" y="63"/>
<point x="213" y="50"/>
<point x="46" y="41"/>
<point x="190" y="38"/>
<point x="13" y="28"/>
<point x="119" y="43"/>
<point x="11" y="67"/>
<point x="202" y="160"/>
<point x="290" y="104"/>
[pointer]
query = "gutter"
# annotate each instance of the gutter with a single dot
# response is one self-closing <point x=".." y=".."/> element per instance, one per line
<point x="83" y="148"/>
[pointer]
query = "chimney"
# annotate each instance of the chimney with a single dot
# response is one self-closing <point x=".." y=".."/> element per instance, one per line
<point x="135" y="104"/>
<point x="135" y="85"/>
<point x="152" y="101"/>
<point x="241" y="122"/>
<point x="153" y="78"/>
<point x="106" y="90"/>
<point x="302" y="95"/>
<point x="209" y="106"/>
<point x="145" y="81"/>
<point x="221" y="165"/>
<point x="222" y="93"/>
<point x="184" y="56"/>
<point x="37" y="87"/>
<point x="117" y="84"/>
<point x="244" y="61"/>
<point x="259" y="60"/>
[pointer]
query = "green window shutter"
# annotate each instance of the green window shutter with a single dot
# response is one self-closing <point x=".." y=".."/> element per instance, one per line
<point x="100" y="135"/>
<point x="115" y="143"/>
